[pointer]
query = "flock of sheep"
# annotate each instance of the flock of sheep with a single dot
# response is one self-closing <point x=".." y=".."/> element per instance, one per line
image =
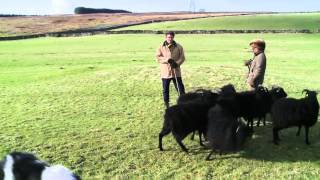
<point x="218" y="116"/>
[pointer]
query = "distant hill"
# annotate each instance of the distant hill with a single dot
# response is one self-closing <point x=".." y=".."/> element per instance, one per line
<point x="84" y="10"/>
<point x="10" y="15"/>
<point x="30" y="25"/>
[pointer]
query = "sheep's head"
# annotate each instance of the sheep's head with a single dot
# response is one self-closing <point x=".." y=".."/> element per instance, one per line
<point x="262" y="89"/>
<point x="227" y="89"/>
<point x="263" y="92"/>
<point x="278" y="92"/>
<point x="310" y="93"/>
<point x="207" y="96"/>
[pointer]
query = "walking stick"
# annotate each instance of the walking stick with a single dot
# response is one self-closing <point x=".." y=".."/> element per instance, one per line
<point x="177" y="83"/>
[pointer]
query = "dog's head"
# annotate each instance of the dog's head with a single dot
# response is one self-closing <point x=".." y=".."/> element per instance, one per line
<point x="20" y="166"/>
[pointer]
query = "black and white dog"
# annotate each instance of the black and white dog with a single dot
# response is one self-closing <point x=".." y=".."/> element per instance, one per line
<point x="25" y="166"/>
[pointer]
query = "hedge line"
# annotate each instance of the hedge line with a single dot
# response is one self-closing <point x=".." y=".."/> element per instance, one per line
<point x="84" y="10"/>
<point x="93" y="32"/>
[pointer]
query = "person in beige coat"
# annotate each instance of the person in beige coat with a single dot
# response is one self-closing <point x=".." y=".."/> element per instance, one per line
<point x="257" y="66"/>
<point x="170" y="56"/>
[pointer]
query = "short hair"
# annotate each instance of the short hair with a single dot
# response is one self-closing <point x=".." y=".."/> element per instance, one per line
<point x="260" y="43"/>
<point x="170" y="33"/>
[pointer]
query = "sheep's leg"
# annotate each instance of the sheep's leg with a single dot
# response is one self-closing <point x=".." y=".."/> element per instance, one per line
<point x="276" y="136"/>
<point x="192" y="135"/>
<point x="179" y="141"/>
<point x="258" y="123"/>
<point x="163" y="133"/>
<point x="200" y="138"/>
<point x="248" y="122"/>
<point x="264" y="121"/>
<point x="307" y="135"/>
<point x="208" y="157"/>
<point x="205" y="137"/>
<point x="299" y="129"/>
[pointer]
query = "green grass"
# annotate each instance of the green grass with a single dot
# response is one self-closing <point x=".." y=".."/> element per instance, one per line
<point x="252" y="22"/>
<point x="94" y="104"/>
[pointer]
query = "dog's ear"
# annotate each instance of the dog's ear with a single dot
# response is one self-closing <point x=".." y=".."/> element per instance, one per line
<point x="1" y="174"/>
<point x="18" y="156"/>
<point x="2" y="162"/>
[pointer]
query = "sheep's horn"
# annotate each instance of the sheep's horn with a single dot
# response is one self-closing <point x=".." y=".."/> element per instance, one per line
<point x="217" y="90"/>
<point x="305" y="91"/>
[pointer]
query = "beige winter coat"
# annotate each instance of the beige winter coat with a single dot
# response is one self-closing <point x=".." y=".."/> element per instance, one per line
<point x="164" y="53"/>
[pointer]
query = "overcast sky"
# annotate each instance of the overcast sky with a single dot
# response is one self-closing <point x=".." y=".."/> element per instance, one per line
<point x="39" y="7"/>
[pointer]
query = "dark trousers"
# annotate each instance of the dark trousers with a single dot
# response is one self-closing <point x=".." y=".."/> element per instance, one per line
<point x="166" y="87"/>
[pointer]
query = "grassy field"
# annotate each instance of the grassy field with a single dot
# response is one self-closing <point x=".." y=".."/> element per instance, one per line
<point x="257" y="22"/>
<point x="95" y="105"/>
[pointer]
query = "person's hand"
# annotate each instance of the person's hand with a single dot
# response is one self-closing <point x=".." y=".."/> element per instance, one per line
<point x="170" y="61"/>
<point x="248" y="62"/>
<point x="174" y="65"/>
<point x="251" y="82"/>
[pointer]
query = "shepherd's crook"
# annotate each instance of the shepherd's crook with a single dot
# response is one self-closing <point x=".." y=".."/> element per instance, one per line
<point x="177" y="83"/>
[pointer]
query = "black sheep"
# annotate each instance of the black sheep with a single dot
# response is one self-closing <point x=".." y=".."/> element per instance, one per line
<point x="289" y="112"/>
<point x="227" y="90"/>
<point x="182" y="119"/>
<point x="198" y="96"/>
<point x="275" y="93"/>
<point x="249" y="104"/>
<point x="225" y="132"/>
<point x="204" y="96"/>
<point x="255" y="104"/>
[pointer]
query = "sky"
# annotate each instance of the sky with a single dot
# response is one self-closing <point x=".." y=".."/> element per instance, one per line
<point x="48" y="7"/>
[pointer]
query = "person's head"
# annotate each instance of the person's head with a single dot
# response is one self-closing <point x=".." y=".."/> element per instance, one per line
<point x="170" y="37"/>
<point x="258" y="45"/>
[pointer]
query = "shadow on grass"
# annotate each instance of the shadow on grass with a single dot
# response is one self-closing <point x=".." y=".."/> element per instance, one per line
<point x="290" y="149"/>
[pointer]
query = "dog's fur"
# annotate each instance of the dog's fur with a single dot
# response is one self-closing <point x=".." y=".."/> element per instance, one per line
<point x="25" y="166"/>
